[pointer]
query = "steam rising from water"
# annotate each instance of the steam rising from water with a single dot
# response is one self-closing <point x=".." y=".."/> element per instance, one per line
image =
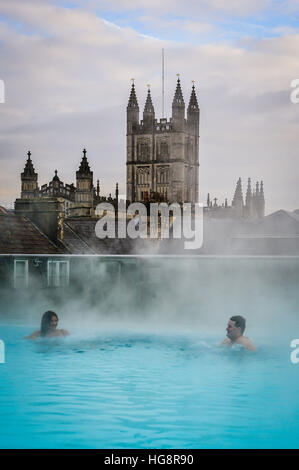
<point x="169" y="295"/>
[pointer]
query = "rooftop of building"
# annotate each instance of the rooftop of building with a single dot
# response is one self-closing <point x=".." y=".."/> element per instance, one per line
<point x="18" y="235"/>
<point x="228" y="236"/>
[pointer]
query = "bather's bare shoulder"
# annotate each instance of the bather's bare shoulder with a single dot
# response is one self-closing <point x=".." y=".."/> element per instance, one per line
<point x="33" y="335"/>
<point x="65" y="332"/>
<point x="247" y="344"/>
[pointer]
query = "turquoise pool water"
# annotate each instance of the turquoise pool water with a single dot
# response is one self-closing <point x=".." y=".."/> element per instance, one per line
<point x="128" y="389"/>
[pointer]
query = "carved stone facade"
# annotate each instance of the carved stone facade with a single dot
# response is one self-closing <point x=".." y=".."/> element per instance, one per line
<point x="77" y="201"/>
<point x="163" y="157"/>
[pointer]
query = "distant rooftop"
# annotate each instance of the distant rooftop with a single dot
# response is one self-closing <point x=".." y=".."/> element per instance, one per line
<point x="20" y="236"/>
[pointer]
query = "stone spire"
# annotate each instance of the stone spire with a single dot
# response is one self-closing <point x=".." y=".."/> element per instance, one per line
<point x="248" y="210"/>
<point x="178" y="109"/>
<point x="29" y="184"/>
<point x="133" y="103"/>
<point x="149" y="112"/>
<point x="257" y="189"/>
<point x="178" y="99"/>
<point x="29" y="169"/>
<point x="258" y="201"/>
<point x="85" y="191"/>
<point x="261" y="203"/>
<point x="238" y="192"/>
<point x="193" y="113"/>
<point x="248" y="193"/>
<point x="238" y="202"/>
<point x="84" y="166"/>
<point x="132" y="111"/>
<point x="149" y="107"/>
<point x="193" y="104"/>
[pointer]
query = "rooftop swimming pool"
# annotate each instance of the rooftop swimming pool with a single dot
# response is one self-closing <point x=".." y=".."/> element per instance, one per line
<point x="143" y="367"/>
<point x="127" y="388"/>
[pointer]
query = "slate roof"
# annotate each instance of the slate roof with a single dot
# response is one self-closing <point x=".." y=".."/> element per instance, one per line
<point x="73" y="243"/>
<point x="19" y="235"/>
<point x="295" y="215"/>
<point x="280" y="223"/>
<point x="276" y="234"/>
<point x="84" y="230"/>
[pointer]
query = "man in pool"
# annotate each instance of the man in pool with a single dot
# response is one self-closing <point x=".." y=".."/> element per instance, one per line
<point x="48" y="327"/>
<point x="234" y="333"/>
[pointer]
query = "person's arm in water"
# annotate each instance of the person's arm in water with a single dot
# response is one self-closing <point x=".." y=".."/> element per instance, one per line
<point x="33" y="335"/>
<point x="226" y="342"/>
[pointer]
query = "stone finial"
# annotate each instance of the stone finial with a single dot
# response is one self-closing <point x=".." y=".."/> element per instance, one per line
<point x="84" y="166"/>
<point x="193" y="104"/>
<point x="149" y="107"/>
<point x="29" y="169"/>
<point x="178" y="99"/>
<point x="133" y="103"/>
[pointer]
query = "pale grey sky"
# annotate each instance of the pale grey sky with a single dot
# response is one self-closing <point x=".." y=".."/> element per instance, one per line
<point x="67" y="75"/>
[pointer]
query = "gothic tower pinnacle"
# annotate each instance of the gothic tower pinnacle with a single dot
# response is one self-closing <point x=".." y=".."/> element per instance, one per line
<point x="261" y="205"/>
<point x="84" y="193"/>
<point x="29" y="184"/>
<point x="132" y="111"/>
<point x="249" y="201"/>
<point x="178" y="108"/>
<point x="193" y="112"/>
<point x="149" y="112"/>
<point x="238" y="202"/>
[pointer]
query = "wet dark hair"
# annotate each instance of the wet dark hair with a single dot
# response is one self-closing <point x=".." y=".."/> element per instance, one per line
<point x="46" y="320"/>
<point x="239" y="322"/>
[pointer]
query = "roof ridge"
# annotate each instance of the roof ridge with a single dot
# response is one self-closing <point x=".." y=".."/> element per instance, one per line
<point x="78" y="236"/>
<point x="290" y="214"/>
<point x="42" y="233"/>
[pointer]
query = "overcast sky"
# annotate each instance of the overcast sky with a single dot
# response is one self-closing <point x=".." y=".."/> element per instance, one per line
<point x="67" y="68"/>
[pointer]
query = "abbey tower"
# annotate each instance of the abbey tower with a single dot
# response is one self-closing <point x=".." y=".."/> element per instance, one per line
<point x="163" y="157"/>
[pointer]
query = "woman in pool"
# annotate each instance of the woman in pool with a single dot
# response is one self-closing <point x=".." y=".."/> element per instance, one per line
<point x="48" y="327"/>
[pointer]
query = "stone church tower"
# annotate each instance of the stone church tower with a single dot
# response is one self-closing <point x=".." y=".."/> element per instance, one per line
<point x="84" y="193"/>
<point x="163" y="157"/>
<point x="84" y="180"/>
